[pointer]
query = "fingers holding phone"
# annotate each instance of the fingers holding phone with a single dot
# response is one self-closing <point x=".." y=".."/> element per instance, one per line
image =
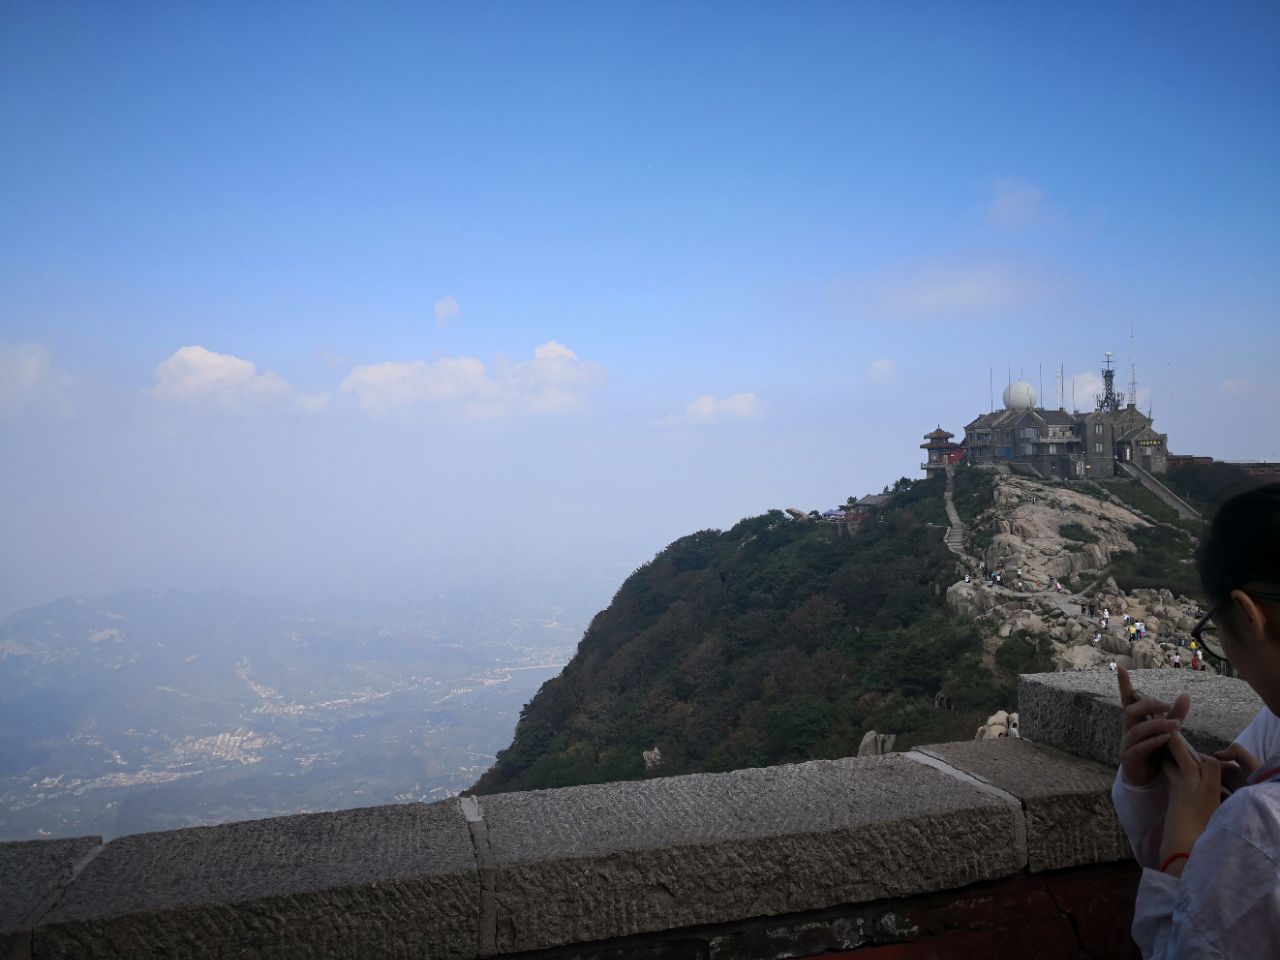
<point x="1238" y="764"/>
<point x="1147" y="728"/>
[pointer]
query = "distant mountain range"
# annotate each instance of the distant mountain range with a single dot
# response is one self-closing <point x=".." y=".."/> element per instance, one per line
<point x="145" y="711"/>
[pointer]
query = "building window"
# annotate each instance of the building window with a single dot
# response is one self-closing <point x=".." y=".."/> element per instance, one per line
<point x="1097" y="448"/>
<point x="1053" y="448"/>
<point x="1097" y="428"/>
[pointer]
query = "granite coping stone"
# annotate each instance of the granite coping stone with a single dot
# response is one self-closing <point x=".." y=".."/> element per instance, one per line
<point x="1079" y="712"/>
<point x="31" y="871"/>
<point x="1069" y="817"/>
<point x="366" y="882"/>
<point x="611" y="860"/>
<point x="551" y="868"/>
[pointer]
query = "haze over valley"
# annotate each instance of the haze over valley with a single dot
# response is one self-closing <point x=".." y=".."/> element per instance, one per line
<point x="364" y="365"/>
<point x="152" y="710"/>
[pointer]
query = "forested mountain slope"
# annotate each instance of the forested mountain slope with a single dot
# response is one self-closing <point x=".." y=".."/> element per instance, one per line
<point x="789" y="639"/>
<point x="778" y="640"/>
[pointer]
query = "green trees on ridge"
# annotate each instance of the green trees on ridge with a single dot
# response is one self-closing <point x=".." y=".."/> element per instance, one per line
<point x="775" y="641"/>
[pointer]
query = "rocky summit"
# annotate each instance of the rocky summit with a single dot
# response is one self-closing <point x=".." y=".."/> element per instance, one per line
<point x="1040" y="534"/>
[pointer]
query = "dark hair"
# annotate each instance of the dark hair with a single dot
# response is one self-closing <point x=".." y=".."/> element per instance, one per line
<point x="1242" y="544"/>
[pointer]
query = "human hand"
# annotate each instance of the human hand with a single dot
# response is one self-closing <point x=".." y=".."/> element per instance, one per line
<point x="1148" y="727"/>
<point x="1238" y="764"/>
<point x="1195" y="793"/>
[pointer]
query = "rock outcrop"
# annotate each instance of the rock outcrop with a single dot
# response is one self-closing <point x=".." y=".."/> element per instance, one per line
<point x="1030" y="549"/>
<point x="876" y="744"/>
<point x="1002" y="723"/>
<point x="1027" y="518"/>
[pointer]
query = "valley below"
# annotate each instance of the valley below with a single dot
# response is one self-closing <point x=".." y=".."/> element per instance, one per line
<point x="150" y="711"/>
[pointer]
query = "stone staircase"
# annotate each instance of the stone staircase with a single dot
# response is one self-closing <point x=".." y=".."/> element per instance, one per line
<point x="954" y="537"/>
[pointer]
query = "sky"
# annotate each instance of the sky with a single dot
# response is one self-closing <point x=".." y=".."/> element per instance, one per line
<point x="381" y="300"/>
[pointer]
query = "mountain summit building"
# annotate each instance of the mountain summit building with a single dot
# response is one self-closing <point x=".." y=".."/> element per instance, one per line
<point x="1055" y="444"/>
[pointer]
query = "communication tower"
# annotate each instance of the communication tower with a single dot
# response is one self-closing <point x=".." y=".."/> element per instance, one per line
<point x="1109" y="401"/>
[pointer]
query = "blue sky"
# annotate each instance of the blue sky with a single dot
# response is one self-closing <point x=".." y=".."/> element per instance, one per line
<point x="515" y="290"/>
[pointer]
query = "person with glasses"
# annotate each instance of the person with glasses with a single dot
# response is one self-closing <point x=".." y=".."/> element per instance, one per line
<point x="1206" y="830"/>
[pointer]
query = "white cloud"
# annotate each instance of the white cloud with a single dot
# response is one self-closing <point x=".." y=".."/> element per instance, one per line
<point x="709" y="409"/>
<point x="197" y="376"/>
<point x="554" y="379"/>
<point x="883" y="370"/>
<point x="1014" y="203"/>
<point x="312" y="402"/>
<point x="447" y="310"/>
<point x="941" y="289"/>
<point x="30" y="381"/>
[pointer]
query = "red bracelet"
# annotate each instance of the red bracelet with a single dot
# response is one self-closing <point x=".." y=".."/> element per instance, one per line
<point x="1172" y="857"/>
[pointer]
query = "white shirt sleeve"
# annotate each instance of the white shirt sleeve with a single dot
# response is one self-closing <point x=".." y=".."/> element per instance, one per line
<point x="1141" y="814"/>
<point x="1262" y="736"/>
<point x="1141" y="809"/>
<point x="1227" y="902"/>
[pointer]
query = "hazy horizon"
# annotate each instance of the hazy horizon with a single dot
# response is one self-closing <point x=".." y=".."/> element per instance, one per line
<point x="338" y="302"/>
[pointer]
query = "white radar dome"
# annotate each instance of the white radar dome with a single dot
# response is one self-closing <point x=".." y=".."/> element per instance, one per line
<point x="1019" y="395"/>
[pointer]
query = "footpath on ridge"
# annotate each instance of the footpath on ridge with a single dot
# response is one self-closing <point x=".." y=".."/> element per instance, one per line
<point x="1038" y="535"/>
<point x="954" y="537"/>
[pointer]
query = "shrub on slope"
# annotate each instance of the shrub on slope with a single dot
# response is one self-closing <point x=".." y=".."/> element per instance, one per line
<point x="772" y="642"/>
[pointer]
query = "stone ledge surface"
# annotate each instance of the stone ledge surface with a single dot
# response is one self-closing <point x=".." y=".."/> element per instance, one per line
<point x="610" y="860"/>
<point x="1067" y="800"/>
<point x="31" y="871"/>
<point x="1080" y="712"/>
<point x="554" y="868"/>
<point x="380" y="881"/>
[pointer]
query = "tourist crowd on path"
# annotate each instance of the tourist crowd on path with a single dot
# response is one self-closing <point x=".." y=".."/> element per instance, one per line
<point x="1131" y="628"/>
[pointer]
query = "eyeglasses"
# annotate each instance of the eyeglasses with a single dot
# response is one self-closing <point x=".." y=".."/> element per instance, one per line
<point x="1206" y="634"/>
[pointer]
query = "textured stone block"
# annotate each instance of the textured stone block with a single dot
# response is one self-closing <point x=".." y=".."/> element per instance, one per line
<point x="31" y="871"/>
<point x="595" y="862"/>
<point x="1080" y="712"/>
<point x="376" y="882"/>
<point x="1066" y="799"/>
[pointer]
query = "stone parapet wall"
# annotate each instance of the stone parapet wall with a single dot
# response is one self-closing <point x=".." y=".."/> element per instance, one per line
<point x="1081" y="713"/>
<point x="779" y="861"/>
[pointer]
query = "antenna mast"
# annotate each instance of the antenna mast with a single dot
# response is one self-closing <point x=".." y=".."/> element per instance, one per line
<point x="1133" y="372"/>
<point x="1109" y="401"/>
